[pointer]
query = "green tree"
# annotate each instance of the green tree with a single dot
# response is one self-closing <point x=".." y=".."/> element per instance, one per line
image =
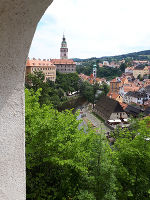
<point x="56" y="151"/>
<point x="35" y="81"/>
<point x="132" y="161"/>
<point x="123" y="67"/>
<point x="64" y="162"/>
<point x="53" y="92"/>
<point x="102" y="170"/>
<point x="105" y="88"/>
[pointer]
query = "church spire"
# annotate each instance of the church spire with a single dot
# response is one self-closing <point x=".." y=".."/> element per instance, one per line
<point x="64" y="49"/>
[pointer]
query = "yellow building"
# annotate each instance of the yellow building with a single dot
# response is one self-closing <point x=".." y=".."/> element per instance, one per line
<point x="115" y="96"/>
<point x="140" y="70"/>
<point x="46" y="66"/>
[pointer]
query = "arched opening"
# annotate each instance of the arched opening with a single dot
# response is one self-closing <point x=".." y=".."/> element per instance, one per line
<point x="58" y="50"/>
<point x="18" y="22"/>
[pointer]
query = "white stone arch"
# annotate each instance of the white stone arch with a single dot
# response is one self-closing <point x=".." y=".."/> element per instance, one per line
<point x="18" y="21"/>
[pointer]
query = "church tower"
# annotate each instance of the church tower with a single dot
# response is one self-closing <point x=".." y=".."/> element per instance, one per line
<point x="64" y="49"/>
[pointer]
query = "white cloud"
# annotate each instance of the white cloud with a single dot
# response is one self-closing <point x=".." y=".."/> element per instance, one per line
<point x="93" y="28"/>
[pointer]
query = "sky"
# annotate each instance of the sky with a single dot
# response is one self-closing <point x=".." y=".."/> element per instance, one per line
<point x="93" y="28"/>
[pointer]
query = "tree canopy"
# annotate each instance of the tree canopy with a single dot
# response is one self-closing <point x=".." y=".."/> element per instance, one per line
<point x="65" y="162"/>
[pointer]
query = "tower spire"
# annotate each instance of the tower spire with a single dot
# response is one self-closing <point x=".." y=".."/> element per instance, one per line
<point x="64" y="49"/>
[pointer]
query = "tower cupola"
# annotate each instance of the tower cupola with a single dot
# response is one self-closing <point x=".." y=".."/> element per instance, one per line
<point x="64" y="49"/>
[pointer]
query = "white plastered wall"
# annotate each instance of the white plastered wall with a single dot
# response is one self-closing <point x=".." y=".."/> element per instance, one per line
<point x="18" y="21"/>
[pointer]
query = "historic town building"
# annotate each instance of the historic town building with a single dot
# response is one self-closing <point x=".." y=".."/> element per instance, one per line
<point x="140" y="70"/>
<point x="111" y="111"/>
<point x="46" y="66"/>
<point x="115" y="85"/>
<point x="64" y="65"/>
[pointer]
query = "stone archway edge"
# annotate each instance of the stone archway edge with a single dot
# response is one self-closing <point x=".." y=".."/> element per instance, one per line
<point x="18" y="21"/>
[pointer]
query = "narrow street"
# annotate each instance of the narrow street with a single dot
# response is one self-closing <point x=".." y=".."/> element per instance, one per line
<point x="94" y="120"/>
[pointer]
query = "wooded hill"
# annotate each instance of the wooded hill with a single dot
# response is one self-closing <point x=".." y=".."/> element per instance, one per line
<point x="141" y="55"/>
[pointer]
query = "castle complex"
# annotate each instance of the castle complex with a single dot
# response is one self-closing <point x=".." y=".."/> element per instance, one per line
<point x="49" y="67"/>
<point x="64" y="65"/>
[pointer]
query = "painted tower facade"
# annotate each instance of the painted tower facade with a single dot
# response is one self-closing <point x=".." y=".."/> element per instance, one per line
<point x="94" y="71"/>
<point x="64" y="49"/>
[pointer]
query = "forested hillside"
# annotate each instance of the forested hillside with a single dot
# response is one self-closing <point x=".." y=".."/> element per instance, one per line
<point x="65" y="163"/>
<point x="141" y="55"/>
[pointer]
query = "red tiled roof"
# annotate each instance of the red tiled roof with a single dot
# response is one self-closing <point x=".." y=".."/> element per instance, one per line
<point x="91" y="81"/>
<point x="38" y="63"/>
<point x="83" y="76"/>
<point x="98" y="79"/>
<point x="91" y="76"/>
<point x="113" y="95"/>
<point x="131" y="88"/>
<point x="114" y="80"/>
<point x="62" y="61"/>
<point x="124" y="105"/>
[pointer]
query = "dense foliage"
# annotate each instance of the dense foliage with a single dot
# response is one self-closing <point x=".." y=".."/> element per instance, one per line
<point x="53" y="92"/>
<point x="56" y="93"/>
<point x="141" y="55"/>
<point x="103" y="72"/>
<point x="132" y="161"/>
<point x="63" y="161"/>
<point x="93" y="92"/>
<point x="68" y="163"/>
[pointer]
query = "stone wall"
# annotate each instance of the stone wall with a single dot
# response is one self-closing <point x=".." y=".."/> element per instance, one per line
<point x="18" y="21"/>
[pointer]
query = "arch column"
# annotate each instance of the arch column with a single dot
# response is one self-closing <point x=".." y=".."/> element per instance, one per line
<point x="18" y="21"/>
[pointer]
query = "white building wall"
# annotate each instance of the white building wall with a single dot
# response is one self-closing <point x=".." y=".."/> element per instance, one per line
<point x="118" y="115"/>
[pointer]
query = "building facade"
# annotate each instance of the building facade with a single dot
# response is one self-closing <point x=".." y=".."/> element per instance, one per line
<point x="46" y="66"/>
<point x="115" y="85"/>
<point x="109" y="109"/>
<point x="64" y="66"/>
<point x="135" y="97"/>
<point x="140" y="70"/>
